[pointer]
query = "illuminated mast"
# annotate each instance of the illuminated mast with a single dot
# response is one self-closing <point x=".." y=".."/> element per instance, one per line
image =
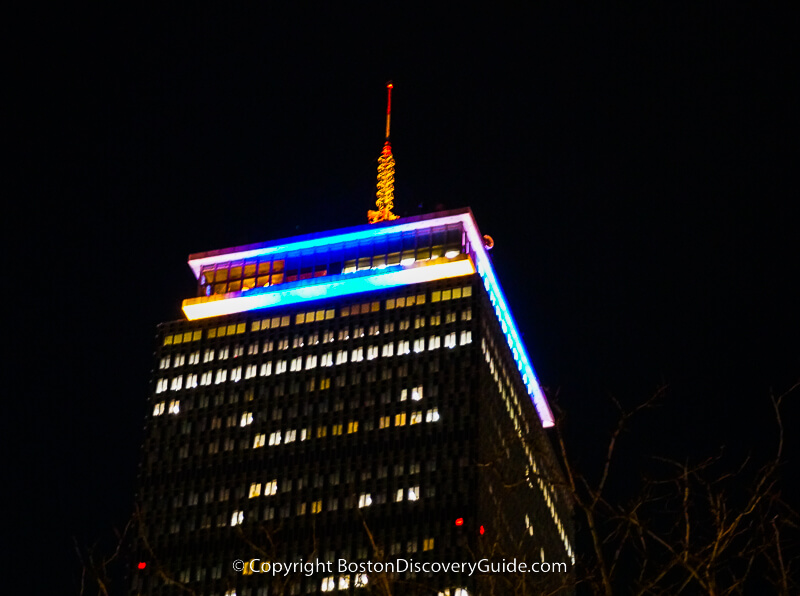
<point x="385" y="194"/>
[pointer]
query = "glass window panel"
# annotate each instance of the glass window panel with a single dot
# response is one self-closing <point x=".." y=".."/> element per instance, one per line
<point x="236" y="270"/>
<point x="263" y="267"/>
<point x="221" y="274"/>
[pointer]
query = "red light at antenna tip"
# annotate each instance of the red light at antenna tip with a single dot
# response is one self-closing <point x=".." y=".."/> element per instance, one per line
<point x="142" y="565"/>
<point x="460" y="521"/>
<point x="482" y="530"/>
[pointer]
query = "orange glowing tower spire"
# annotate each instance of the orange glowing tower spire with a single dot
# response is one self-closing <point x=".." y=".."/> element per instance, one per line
<point x="385" y="194"/>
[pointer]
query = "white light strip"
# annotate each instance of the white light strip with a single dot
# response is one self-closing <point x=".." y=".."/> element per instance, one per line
<point x="235" y="302"/>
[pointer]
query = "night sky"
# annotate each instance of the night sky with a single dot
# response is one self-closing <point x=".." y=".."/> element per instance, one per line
<point x="636" y="169"/>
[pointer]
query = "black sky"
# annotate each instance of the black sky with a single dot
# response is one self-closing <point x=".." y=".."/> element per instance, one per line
<point x="635" y="168"/>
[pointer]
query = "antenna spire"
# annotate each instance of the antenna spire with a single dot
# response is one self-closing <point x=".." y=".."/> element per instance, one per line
<point x="385" y="194"/>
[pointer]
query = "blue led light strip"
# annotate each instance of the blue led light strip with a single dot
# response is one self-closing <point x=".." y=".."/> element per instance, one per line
<point x="213" y="306"/>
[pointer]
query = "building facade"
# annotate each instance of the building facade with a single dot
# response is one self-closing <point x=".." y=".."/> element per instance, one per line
<point x="360" y="402"/>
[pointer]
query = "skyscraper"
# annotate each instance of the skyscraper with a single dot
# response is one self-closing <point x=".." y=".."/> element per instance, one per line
<point x="359" y="395"/>
<point x="351" y="411"/>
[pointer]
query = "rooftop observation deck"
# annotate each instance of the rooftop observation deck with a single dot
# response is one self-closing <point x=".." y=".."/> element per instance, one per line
<point x="355" y="260"/>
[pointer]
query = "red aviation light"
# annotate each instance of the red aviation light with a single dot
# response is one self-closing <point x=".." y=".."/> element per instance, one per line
<point x="142" y="565"/>
<point x="482" y="530"/>
<point x="460" y="521"/>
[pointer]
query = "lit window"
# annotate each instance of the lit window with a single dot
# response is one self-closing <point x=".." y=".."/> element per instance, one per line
<point x="255" y="490"/>
<point x="352" y="427"/>
<point x="259" y="441"/>
<point x="205" y="379"/>
<point x="358" y="355"/>
<point x="388" y="350"/>
<point x="416" y="393"/>
<point x="283" y="344"/>
<point x="223" y="353"/>
<point x="275" y="438"/>
<point x="236" y="374"/>
<point x="416" y="417"/>
<point x="327" y="359"/>
<point x="372" y="352"/>
<point x="268" y="346"/>
<point x="271" y="488"/>
<point x="413" y="493"/>
<point x="159" y="409"/>
<point x="361" y="580"/>
<point x="403" y="347"/>
<point x="164" y="363"/>
<point x="179" y="360"/>
<point x="316" y="506"/>
<point x="419" y="345"/>
<point x="466" y="314"/>
<point x="466" y="337"/>
<point x="399" y="495"/>
<point x="311" y="362"/>
<point x="450" y="340"/>
<point x="222" y="376"/>
<point x="327" y="337"/>
<point x="250" y="372"/>
<point x="174" y="406"/>
<point x="427" y="544"/>
<point x="450" y="317"/>
<point x="322" y="431"/>
<point x="237" y="518"/>
<point x="303" y="434"/>
<point x="280" y="367"/>
<point x="432" y="415"/>
<point x="400" y="419"/>
<point x="341" y="356"/>
<point x="434" y="342"/>
<point x="247" y="418"/>
<point x="266" y="369"/>
<point x="291" y="435"/>
<point x="324" y="384"/>
<point x="364" y="500"/>
<point x="336" y="429"/>
<point x="191" y="381"/>
<point x="296" y="364"/>
<point x="238" y="351"/>
<point x="328" y="585"/>
<point x="384" y="421"/>
<point x="161" y="385"/>
<point x="177" y="383"/>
